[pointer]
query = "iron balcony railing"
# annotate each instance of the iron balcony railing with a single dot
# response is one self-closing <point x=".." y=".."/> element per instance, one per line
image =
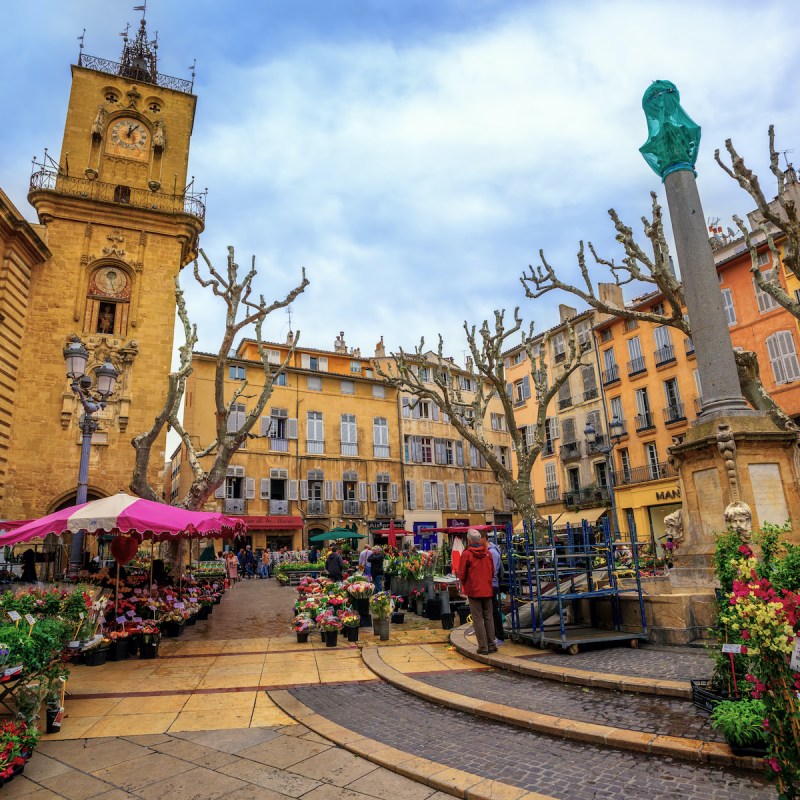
<point x="689" y="345"/>
<point x="385" y="508"/>
<point x="674" y="413"/>
<point x="570" y="450"/>
<point x="279" y="445"/>
<point x="51" y="180"/>
<point x="651" y="472"/>
<point x="590" y="394"/>
<point x="551" y="493"/>
<point x="519" y="402"/>
<point x="349" y="449"/>
<point x="664" y="355"/>
<point x="278" y="506"/>
<point x="610" y="375"/>
<point x="380" y="451"/>
<point x="547" y="449"/>
<point x="636" y="366"/>
<point x="234" y="505"/>
<point x="317" y="508"/>
<point x="586" y="496"/>
<point x="644" y="421"/>
<point x="597" y="445"/>
<point x="351" y="508"/>
<point x="315" y="448"/>
<point x="564" y="402"/>
<point x="134" y="74"/>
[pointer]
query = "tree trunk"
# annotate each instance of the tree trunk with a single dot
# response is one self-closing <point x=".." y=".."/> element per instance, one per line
<point x="755" y="393"/>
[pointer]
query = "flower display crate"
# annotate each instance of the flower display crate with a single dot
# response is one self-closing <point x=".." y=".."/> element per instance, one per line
<point x="148" y="650"/>
<point x="95" y="657"/>
<point x="705" y="698"/>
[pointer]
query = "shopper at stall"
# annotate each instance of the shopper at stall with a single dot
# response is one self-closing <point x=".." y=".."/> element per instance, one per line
<point x="29" y="566"/>
<point x="264" y="568"/>
<point x="475" y="571"/>
<point x="375" y="561"/>
<point x="362" y="560"/>
<point x="334" y="564"/>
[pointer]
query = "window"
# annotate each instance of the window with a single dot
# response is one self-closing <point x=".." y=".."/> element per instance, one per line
<point x="601" y="475"/>
<point x="425" y="374"/>
<point x="763" y="258"/>
<point x="636" y="360"/>
<point x="658" y="308"/>
<point x="355" y="367"/>
<point x="727" y="304"/>
<point x="236" y="373"/>
<point x="625" y="463"/>
<point x="630" y="324"/>
<point x="766" y="302"/>
<point x="664" y="349"/>
<point x="450" y="452"/>
<point x="498" y="422"/>
<point x="236" y="418"/>
<point x="574" y="479"/>
<point x="583" y="331"/>
<point x="411" y="495"/>
<point x="433" y="492"/>
<point x="314" y="383"/>
<point x="559" y="348"/>
<point x="615" y="407"/>
<point x="315" y="363"/>
<point x="380" y="437"/>
<point x="426" y="445"/>
<point x="476" y="459"/>
<point x="368" y="373"/>
<point x="349" y="435"/>
<point x="315" y="433"/>
<point x="606" y="334"/>
<point x="467" y="384"/>
<point x="550" y="435"/>
<point x="280" y="380"/>
<point x="477" y="497"/>
<point x="651" y="454"/>
<point x="503" y="456"/>
<point x="348" y="387"/>
<point x="564" y="395"/>
<point x="550" y="478"/>
<point x="644" y="418"/>
<point x="378" y="391"/>
<point x="522" y="390"/>
<point x="610" y="370"/>
<point x="425" y="409"/>
<point x="518" y="357"/>
<point x="783" y="357"/>
<point x="589" y="383"/>
<point x="274" y="357"/>
<point x="673" y="410"/>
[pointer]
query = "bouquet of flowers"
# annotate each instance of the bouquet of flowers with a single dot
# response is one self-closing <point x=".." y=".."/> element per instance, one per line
<point x="302" y="623"/>
<point x="417" y="593"/>
<point x="328" y="621"/>
<point x="360" y="589"/>
<point x="150" y="633"/>
<point x="120" y="634"/>
<point x="173" y="615"/>
<point x="349" y="618"/>
<point x="381" y="605"/>
<point x="336" y="601"/>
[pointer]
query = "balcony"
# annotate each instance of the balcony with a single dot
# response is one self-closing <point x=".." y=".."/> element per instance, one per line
<point x="385" y="509"/>
<point x="597" y="445"/>
<point x="665" y="355"/>
<point x="351" y="508"/>
<point x="586" y="496"/>
<point x="590" y="394"/>
<point x="644" y="421"/>
<point x="674" y="413"/>
<point x="689" y="345"/>
<point x="278" y="506"/>
<point x="559" y="357"/>
<point x="49" y="180"/>
<point x="570" y="450"/>
<point x="349" y="449"/>
<point x="564" y="402"/>
<point x="234" y="505"/>
<point x="551" y="494"/>
<point x="547" y="449"/>
<point x="519" y="402"/>
<point x="380" y="451"/>
<point x="279" y="445"/>
<point x="135" y="73"/>
<point x="652" y="472"/>
<point x="610" y="375"/>
<point x="315" y="447"/>
<point x="636" y="366"/>
<point x="317" y="508"/>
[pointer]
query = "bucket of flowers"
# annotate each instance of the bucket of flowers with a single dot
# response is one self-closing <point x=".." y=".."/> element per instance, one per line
<point x="96" y="654"/>
<point x="118" y="649"/>
<point x="330" y="625"/>
<point x="381" y="606"/>
<point x="150" y="636"/>
<point x="350" y="620"/>
<point x="206" y="606"/>
<point x="361" y="591"/>
<point x="173" y="623"/>
<point x="302" y="627"/>
<point x="17" y="741"/>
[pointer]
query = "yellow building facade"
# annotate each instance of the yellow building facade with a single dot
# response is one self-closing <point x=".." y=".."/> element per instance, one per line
<point x="119" y="225"/>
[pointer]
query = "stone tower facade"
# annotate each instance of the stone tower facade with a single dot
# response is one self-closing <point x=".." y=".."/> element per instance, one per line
<point x="120" y="224"/>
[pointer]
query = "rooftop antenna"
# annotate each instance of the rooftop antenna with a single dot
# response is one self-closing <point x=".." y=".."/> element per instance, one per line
<point x="192" y="68"/>
<point x="80" y="49"/>
<point x="786" y="160"/>
<point x="289" y="314"/>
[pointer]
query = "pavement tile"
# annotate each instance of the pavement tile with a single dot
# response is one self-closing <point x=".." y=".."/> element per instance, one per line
<point x="331" y="792"/>
<point x="222" y="700"/>
<point x="71" y="728"/>
<point x="206" y="720"/>
<point x="21" y="786"/>
<point x="252" y="792"/>
<point x="283" y="751"/>
<point x="334" y="766"/>
<point x="196" y="784"/>
<point x="114" y="794"/>
<point x="42" y="767"/>
<point x="149" y="705"/>
<point x="134" y="775"/>
<point x="284" y="783"/>
<point x="229" y="741"/>
<point x="195" y="753"/>
<point x="76" y="785"/>
<point x="132" y="724"/>
<point x="388" y="785"/>
<point x="84" y="757"/>
<point x="148" y="739"/>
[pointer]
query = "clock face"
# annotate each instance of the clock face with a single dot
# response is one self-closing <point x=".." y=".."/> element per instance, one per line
<point x="112" y="281"/>
<point x="129" y="137"/>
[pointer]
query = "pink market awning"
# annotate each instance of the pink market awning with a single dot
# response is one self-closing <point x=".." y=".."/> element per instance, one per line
<point x="122" y="513"/>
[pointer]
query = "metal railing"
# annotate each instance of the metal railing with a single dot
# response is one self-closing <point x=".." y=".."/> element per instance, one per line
<point x="279" y="445"/>
<point x="597" y="445"/>
<point x="519" y="402"/>
<point x="351" y="508"/>
<point x="278" y="506"/>
<point x="140" y="75"/>
<point x="674" y="413"/>
<point x="689" y="345"/>
<point x="548" y="448"/>
<point x="317" y="508"/>
<point x="644" y="421"/>
<point x="385" y="508"/>
<point x="664" y="355"/>
<point x="551" y="493"/>
<point x="637" y="365"/>
<point x="590" y="394"/>
<point x="314" y="447"/>
<point x="49" y="179"/>
<point x="349" y="449"/>
<point x="586" y="496"/>
<point x="234" y="505"/>
<point x="570" y="450"/>
<point x="651" y="472"/>
<point x="380" y="451"/>
<point x="610" y="375"/>
<point x="564" y="402"/>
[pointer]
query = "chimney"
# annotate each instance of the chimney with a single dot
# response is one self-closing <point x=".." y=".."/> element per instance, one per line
<point x="380" y="349"/>
<point x="611" y="295"/>
<point x="566" y="312"/>
<point x="290" y="338"/>
<point x="469" y="363"/>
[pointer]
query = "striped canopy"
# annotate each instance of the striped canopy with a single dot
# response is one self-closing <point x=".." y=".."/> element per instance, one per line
<point x="122" y="513"/>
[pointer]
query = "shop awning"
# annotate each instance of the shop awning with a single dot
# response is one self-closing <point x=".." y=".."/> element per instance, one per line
<point x="591" y="515"/>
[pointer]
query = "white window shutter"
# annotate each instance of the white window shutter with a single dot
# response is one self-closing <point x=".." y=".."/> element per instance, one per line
<point x="291" y="428"/>
<point x="452" y="497"/>
<point x="411" y="495"/>
<point x="265" y="423"/>
<point x="415" y="413"/>
<point x="526" y="386"/>
<point x="460" y="454"/>
<point x="233" y="422"/>
<point x="395" y="493"/>
<point x="362" y="491"/>
<point x="327" y="490"/>
<point x="440" y="493"/>
<point x="219" y="492"/>
<point x="249" y="488"/>
<point x="462" y="492"/>
<point x="428" y="494"/>
<point x="305" y="361"/>
<point x="239" y="472"/>
<point x="435" y="411"/>
<point x="323" y="364"/>
<point x="338" y="487"/>
<point x="293" y="490"/>
<point x="406" y="404"/>
<point x="264" y="489"/>
<point x="373" y="492"/>
<point x="304" y="490"/>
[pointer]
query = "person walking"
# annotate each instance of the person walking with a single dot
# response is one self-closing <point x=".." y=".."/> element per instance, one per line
<point x="263" y="570"/>
<point x="375" y="561"/>
<point x="497" y="562"/>
<point x="475" y="571"/>
<point x="334" y="564"/>
<point x="362" y="560"/>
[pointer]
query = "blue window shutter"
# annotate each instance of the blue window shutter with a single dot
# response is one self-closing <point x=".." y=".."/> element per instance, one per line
<point x="526" y="386"/>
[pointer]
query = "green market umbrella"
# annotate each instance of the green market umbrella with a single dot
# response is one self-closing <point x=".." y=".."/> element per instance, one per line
<point x="336" y="533"/>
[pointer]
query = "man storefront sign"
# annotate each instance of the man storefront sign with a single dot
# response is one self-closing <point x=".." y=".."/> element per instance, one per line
<point x="668" y="494"/>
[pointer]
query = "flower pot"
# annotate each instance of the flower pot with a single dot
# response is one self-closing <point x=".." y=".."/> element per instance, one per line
<point x="463" y="614"/>
<point x="217" y="600"/>
<point x="380" y="627"/>
<point x="203" y="612"/>
<point x="332" y="639"/>
<point x="148" y="650"/>
<point x="323" y="635"/>
<point x="412" y="605"/>
<point x="398" y="618"/>
<point x="362" y="606"/>
<point x="191" y="619"/>
<point x="302" y="638"/>
<point x="173" y="629"/>
<point x="447" y="622"/>
<point x="118" y="650"/>
<point x="434" y="608"/>
<point x="95" y="657"/>
<point x="54" y="717"/>
<point x="755" y="750"/>
<point x="133" y="644"/>
<point x="422" y="608"/>
<point x="706" y="698"/>
<point x="352" y="633"/>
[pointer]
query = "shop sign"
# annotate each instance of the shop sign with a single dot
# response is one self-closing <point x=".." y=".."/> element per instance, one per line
<point x="669" y="494"/>
<point x="379" y="524"/>
<point x="273" y="523"/>
<point x="458" y="522"/>
<point x="420" y="527"/>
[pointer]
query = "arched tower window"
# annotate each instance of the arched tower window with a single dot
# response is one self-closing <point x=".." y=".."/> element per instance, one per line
<point x="108" y="300"/>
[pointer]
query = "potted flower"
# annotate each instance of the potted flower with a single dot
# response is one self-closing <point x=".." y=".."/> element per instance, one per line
<point x="206" y="607"/>
<point x="380" y="606"/>
<point x="302" y="627"/>
<point x="361" y="591"/>
<point x="96" y="655"/>
<point x="742" y="723"/>
<point x="118" y="649"/>
<point x="173" y="623"/>
<point x="17" y="741"/>
<point x="398" y="617"/>
<point x="350" y="619"/>
<point x="149" y="638"/>
<point x="330" y="626"/>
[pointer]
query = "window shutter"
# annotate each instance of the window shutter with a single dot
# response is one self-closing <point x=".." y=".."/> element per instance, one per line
<point x="233" y="422"/>
<point x="327" y="490"/>
<point x="239" y="472"/>
<point x="440" y="493"/>
<point x="460" y="454"/>
<point x="338" y="490"/>
<point x="435" y="411"/>
<point x="293" y="490"/>
<point x="323" y="364"/>
<point x="462" y="494"/>
<point x="362" y="491"/>
<point x="415" y="413"/>
<point x="472" y="495"/>
<point x="452" y="497"/>
<point x="305" y="361"/>
<point x="304" y="490"/>
<point x="526" y="386"/>
<point x="219" y="492"/>
<point x="373" y="492"/>
<point x="411" y="495"/>
<point x="291" y="428"/>
<point x="416" y="449"/>
<point x="589" y="382"/>
<point x="264" y="486"/>
<point x="568" y="429"/>
<point x="428" y="493"/>
<point x="395" y="493"/>
<point x="406" y="403"/>
<point x="265" y="423"/>
<point x="249" y="488"/>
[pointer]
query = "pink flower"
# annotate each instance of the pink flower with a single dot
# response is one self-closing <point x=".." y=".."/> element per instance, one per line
<point x="745" y="635"/>
<point x="773" y="762"/>
<point x="744" y="650"/>
<point x="765" y="724"/>
<point x="745" y="550"/>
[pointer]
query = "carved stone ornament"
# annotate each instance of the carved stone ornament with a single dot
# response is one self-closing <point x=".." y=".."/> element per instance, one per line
<point x="99" y="123"/>
<point x="115" y="248"/>
<point x="673" y="524"/>
<point x="726" y="445"/>
<point x="159" y="137"/>
<point x="133" y="96"/>
<point x="739" y="517"/>
<point x="674" y="460"/>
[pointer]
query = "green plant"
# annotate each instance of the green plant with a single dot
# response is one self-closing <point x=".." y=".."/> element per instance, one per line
<point x="380" y="605"/>
<point x="741" y="722"/>
<point x="726" y="555"/>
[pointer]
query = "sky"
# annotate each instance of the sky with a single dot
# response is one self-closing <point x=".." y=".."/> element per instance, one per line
<point x="415" y="155"/>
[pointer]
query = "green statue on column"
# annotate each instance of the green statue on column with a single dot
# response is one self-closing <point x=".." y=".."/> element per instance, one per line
<point x="673" y="136"/>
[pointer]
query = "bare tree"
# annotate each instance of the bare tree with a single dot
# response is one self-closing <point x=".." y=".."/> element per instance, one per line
<point x="487" y="369"/>
<point x="655" y="272"/>
<point x="242" y="310"/>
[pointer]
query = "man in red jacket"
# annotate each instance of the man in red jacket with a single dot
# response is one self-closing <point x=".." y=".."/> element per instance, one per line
<point x="475" y="572"/>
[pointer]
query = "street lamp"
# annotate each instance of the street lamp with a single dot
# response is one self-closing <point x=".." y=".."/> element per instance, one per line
<point x="616" y="430"/>
<point x="76" y="356"/>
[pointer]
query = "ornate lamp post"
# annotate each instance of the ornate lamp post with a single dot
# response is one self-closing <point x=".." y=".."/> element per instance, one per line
<point x="616" y="430"/>
<point x="76" y="356"/>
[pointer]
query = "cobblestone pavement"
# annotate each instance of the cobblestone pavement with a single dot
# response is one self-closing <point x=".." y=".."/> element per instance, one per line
<point x="663" y="663"/>
<point x="559" y="768"/>
<point x="637" y="712"/>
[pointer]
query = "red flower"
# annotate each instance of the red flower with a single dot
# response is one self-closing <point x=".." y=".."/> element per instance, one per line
<point x="745" y="635"/>
<point x="745" y="550"/>
<point x="744" y="650"/>
<point x="773" y="762"/>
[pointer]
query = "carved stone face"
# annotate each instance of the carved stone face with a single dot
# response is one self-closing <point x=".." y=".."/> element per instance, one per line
<point x="739" y="518"/>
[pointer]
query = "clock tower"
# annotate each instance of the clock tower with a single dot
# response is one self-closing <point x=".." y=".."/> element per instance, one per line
<point x="120" y="223"/>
